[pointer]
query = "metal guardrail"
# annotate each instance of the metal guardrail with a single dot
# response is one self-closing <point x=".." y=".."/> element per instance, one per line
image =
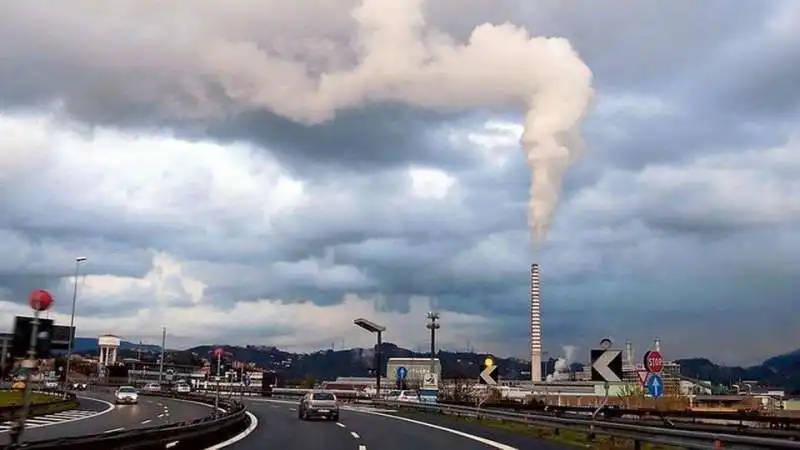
<point x="61" y="399"/>
<point x="189" y="435"/>
<point x="692" y="439"/>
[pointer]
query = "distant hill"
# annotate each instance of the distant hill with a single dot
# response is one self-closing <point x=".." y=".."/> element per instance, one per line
<point x="777" y="371"/>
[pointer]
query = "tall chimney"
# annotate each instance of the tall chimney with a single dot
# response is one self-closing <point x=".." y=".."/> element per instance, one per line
<point x="629" y="361"/>
<point x="536" y="326"/>
<point x="657" y="345"/>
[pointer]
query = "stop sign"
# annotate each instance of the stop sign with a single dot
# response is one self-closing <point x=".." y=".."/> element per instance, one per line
<point x="653" y="361"/>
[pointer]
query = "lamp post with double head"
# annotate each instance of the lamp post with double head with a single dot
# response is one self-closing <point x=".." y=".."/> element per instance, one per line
<point x="377" y="330"/>
<point x="78" y="261"/>
<point x="433" y="325"/>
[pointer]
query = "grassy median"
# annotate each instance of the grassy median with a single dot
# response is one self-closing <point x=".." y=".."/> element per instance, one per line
<point x="566" y="437"/>
<point x="40" y="404"/>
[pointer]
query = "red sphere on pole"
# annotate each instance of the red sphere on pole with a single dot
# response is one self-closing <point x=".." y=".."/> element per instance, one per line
<point x="218" y="352"/>
<point x="40" y="300"/>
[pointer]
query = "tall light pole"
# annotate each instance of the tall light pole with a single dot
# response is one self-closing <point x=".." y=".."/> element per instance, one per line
<point x="378" y="330"/>
<point x="78" y="261"/>
<point x="433" y="326"/>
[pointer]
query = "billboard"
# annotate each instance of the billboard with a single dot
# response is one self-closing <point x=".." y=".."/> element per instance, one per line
<point x="59" y="339"/>
<point x="22" y="337"/>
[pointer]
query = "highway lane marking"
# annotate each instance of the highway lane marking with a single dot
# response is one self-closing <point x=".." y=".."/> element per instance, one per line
<point x="114" y="430"/>
<point x="341" y="424"/>
<point x="62" y="417"/>
<point x="362" y="447"/>
<point x="172" y="444"/>
<point x="146" y="421"/>
<point x="489" y="442"/>
<point x="160" y="416"/>
<point x="252" y="427"/>
<point x="292" y="409"/>
<point x="355" y="435"/>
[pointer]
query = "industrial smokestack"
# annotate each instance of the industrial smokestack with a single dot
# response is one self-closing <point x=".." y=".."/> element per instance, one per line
<point x="657" y="345"/>
<point x="536" y="326"/>
<point x="629" y="354"/>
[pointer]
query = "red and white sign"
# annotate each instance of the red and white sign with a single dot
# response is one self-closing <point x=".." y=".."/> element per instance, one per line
<point x="642" y="374"/>
<point x="653" y="361"/>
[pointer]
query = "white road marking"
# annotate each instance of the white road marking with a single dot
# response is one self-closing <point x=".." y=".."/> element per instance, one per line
<point x="160" y="416"/>
<point x="341" y="424"/>
<point x="114" y="430"/>
<point x="240" y="436"/>
<point x="62" y="417"/>
<point x="146" y="421"/>
<point x="362" y="447"/>
<point x="355" y="435"/>
<point x="292" y="409"/>
<point x="172" y="444"/>
<point x="489" y="442"/>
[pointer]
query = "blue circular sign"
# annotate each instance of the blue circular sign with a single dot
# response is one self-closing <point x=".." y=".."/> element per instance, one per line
<point x="402" y="372"/>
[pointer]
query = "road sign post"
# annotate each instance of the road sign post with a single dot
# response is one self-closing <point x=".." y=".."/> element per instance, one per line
<point x="654" y="361"/>
<point x="607" y="365"/>
<point x="401" y="375"/>
<point x="488" y="373"/>
<point x="655" y="385"/>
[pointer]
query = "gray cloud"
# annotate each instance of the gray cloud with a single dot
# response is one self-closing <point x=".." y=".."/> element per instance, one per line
<point x="190" y="197"/>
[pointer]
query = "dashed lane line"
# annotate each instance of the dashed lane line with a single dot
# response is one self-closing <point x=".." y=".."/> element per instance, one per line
<point x="355" y="435"/>
<point x="341" y="424"/>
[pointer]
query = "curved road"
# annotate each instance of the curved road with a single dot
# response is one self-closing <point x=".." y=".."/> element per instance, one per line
<point x="96" y="413"/>
<point x="369" y="429"/>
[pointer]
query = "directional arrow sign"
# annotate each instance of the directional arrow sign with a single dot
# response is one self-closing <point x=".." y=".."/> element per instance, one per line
<point x="607" y="365"/>
<point x="655" y="385"/>
<point x="488" y="373"/>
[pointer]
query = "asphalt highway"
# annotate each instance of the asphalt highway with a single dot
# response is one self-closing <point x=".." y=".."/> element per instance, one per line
<point x="97" y="413"/>
<point x="279" y="427"/>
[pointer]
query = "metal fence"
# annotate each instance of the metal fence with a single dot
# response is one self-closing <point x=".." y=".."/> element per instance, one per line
<point x="189" y="435"/>
<point x="693" y="439"/>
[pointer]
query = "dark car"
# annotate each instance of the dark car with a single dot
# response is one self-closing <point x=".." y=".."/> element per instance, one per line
<point x="318" y="404"/>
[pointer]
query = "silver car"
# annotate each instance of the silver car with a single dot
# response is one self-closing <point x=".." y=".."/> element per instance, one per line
<point x="126" y="395"/>
<point x="318" y="404"/>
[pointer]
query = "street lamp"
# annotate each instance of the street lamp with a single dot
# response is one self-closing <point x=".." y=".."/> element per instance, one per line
<point x="433" y="326"/>
<point x="378" y="330"/>
<point x="78" y="261"/>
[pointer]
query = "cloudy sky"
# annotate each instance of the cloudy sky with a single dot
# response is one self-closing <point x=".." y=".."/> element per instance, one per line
<point x="262" y="171"/>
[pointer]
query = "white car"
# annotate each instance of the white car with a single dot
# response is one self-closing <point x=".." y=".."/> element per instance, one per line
<point x="152" y="387"/>
<point x="182" y="388"/>
<point x="403" y="396"/>
<point x="51" y="384"/>
<point x="126" y="395"/>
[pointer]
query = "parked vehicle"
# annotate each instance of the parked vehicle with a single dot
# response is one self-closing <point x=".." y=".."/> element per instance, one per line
<point x="182" y="388"/>
<point x="152" y="387"/>
<point x="318" y="404"/>
<point x="79" y="386"/>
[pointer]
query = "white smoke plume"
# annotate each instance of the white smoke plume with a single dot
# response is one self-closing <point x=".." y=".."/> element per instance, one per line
<point x="569" y="352"/>
<point x="304" y="60"/>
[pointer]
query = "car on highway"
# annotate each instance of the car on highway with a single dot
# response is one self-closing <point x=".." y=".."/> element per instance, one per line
<point x="403" y="396"/>
<point x="152" y="387"/>
<point x="76" y="386"/>
<point x="50" y="385"/>
<point x="318" y="404"/>
<point x="182" y="388"/>
<point x="126" y="395"/>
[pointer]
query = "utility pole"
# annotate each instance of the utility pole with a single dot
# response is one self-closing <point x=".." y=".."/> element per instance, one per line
<point x="163" y="351"/>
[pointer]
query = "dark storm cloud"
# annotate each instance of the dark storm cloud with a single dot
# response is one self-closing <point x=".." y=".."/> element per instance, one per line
<point x="630" y="255"/>
<point x="366" y="139"/>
